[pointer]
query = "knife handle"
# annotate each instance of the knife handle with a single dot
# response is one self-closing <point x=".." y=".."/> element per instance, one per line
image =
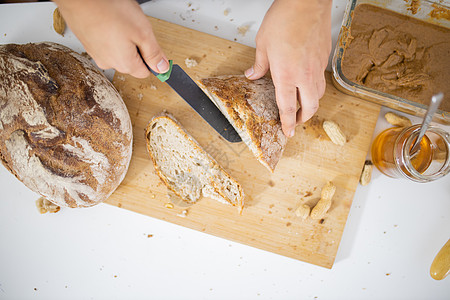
<point x="164" y="76"/>
<point x="161" y="76"/>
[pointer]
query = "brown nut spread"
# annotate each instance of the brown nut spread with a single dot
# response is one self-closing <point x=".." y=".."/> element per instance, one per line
<point x="398" y="55"/>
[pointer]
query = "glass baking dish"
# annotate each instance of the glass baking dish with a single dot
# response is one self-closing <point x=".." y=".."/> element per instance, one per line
<point x="427" y="11"/>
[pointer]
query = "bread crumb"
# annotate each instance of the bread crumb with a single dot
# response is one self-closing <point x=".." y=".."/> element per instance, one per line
<point x="242" y="30"/>
<point x="149" y="235"/>
<point x="45" y="206"/>
<point x="190" y="62"/>
<point x="216" y="28"/>
<point x="168" y="205"/>
<point x="86" y="55"/>
<point x="225" y="12"/>
<point x="183" y="214"/>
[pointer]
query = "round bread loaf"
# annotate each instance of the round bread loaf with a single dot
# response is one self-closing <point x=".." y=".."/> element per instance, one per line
<point x="65" y="132"/>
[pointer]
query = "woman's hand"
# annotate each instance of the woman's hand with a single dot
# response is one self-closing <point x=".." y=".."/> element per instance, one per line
<point x="294" y="41"/>
<point x="111" y="31"/>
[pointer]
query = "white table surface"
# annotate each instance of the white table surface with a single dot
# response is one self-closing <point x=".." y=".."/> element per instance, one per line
<point x="394" y="229"/>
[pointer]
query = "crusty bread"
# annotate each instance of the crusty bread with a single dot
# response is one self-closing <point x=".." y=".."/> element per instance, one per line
<point x="251" y="108"/>
<point x="185" y="167"/>
<point x="64" y="129"/>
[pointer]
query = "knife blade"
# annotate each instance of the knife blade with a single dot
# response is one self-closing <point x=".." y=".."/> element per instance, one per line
<point x="187" y="89"/>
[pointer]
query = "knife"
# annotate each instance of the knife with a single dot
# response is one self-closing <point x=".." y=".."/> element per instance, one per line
<point x="187" y="89"/>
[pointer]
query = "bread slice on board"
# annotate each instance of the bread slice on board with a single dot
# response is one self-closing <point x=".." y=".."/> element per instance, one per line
<point x="185" y="167"/>
<point x="251" y="108"/>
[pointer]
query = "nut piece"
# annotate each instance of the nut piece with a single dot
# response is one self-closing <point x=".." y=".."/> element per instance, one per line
<point x="366" y="173"/>
<point x="45" y="206"/>
<point x="334" y="133"/>
<point x="397" y="120"/>
<point x="58" y="22"/>
<point x="242" y="30"/>
<point x="183" y="213"/>
<point x="303" y="211"/>
<point x="169" y="205"/>
<point x="324" y="204"/>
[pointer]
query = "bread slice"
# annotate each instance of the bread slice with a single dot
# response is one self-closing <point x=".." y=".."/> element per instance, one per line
<point x="251" y="108"/>
<point x="185" y="167"/>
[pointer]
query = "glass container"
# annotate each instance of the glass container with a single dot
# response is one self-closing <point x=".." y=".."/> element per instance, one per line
<point x="427" y="11"/>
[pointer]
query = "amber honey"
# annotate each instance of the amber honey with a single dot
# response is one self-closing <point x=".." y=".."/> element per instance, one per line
<point x="383" y="153"/>
<point x="391" y="153"/>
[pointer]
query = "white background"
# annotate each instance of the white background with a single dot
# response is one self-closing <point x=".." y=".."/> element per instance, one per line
<point x="394" y="229"/>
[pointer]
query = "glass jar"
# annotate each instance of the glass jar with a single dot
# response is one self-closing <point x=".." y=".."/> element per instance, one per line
<point x="391" y="153"/>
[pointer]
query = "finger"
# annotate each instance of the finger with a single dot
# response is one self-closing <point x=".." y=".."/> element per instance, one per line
<point x="152" y="53"/>
<point x="309" y="101"/>
<point x="101" y="64"/>
<point x="137" y="66"/>
<point x="286" y="96"/>
<point x="260" y="67"/>
<point x="128" y="61"/>
<point x="321" y="85"/>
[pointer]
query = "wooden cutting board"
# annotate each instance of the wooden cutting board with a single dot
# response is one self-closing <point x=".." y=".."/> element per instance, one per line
<point x="310" y="160"/>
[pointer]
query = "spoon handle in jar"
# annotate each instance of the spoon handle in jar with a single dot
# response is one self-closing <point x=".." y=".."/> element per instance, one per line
<point x="434" y="104"/>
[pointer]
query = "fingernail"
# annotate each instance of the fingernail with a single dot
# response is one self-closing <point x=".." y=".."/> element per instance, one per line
<point x="249" y="72"/>
<point x="291" y="133"/>
<point x="162" y="66"/>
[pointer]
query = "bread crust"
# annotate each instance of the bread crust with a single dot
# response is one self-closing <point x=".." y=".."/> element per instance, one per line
<point x="238" y="202"/>
<point x="64" y="129"/>
<point x="251" y="108"/>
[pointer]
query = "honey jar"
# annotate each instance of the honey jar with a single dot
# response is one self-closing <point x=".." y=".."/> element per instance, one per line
<point x="391" y="153"/>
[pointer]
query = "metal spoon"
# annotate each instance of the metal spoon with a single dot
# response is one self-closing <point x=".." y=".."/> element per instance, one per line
<point x="434" y="104"/>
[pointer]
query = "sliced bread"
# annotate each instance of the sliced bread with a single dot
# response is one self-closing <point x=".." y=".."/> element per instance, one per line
<point x="185" y="167"/>
<point x="251" y="108"/>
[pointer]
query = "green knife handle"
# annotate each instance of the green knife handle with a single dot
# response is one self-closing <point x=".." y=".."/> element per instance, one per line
<point x="161" y="76"/>
<point x="164" y="76"/>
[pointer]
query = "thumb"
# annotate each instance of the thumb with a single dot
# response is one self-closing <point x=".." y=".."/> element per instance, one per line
<point x="260" y="67"/>
<point x="153" y="55"/>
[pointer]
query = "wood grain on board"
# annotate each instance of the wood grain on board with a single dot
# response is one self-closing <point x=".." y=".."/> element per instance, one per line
<point x="310" y="160"/>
